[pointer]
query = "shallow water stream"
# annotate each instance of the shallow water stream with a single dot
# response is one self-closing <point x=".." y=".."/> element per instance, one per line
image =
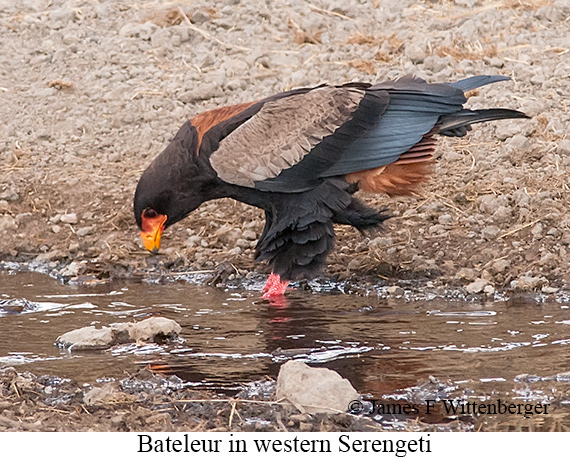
<point x="387" y="348"/>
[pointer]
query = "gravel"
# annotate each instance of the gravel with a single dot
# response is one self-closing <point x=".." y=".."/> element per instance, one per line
<point x="92" y="91"/>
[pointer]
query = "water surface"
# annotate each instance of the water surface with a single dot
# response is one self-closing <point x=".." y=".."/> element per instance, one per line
<point x="385" y="347"/>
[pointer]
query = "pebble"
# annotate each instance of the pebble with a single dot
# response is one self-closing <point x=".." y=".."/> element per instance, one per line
<point x="501" y="265"/>
<point x="563" y="147"/>
<point x="354" y="264"/>
<point x="70" y="218"/>
<point x="249" y="235"/>
<point x="528" y="283"/>
<point x="476" y="286"/>
<point x="7" y="224"/>
<point x="84" y="231"/>
<point x="396" y="291"/>
<point x="415" y="53"/>
<point x="490" y="232"/>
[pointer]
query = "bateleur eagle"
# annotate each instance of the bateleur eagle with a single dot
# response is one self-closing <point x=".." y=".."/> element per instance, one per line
<point x="300" y="156"/>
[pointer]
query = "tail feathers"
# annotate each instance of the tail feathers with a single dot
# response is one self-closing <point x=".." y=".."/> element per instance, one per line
<point x="458" y="124"/>
<point x="478" y="81"/>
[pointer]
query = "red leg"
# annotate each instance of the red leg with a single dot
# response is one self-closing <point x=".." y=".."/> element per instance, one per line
<point x="274" y="287"/>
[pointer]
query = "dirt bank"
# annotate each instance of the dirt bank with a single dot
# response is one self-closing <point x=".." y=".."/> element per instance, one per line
<point x="92" y="90"/>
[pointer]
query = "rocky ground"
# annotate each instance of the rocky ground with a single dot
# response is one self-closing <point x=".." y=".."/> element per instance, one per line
<point x="92" y="90"/>
<point x="147" y="402"/>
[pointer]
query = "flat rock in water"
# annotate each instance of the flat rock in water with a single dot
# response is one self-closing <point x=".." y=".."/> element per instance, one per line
<point x="155" y="329"/>
<point x="314" y="390"/>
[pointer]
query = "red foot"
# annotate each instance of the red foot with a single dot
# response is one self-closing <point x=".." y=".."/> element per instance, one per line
<point x="274" y="287"/>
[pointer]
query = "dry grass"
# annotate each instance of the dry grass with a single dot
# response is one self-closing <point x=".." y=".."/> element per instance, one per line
<point x="363" y="38"/>
<point x="60" y="84"/>
<point x="531" y="5"/>
<point x="396" y="47"/>
<point x="363" y="65"/>
<point x="173" y="16"/>
<point x="303" y="36"/>
<point x="462" y="50"/>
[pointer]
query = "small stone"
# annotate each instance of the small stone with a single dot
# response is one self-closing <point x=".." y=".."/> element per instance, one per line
<point x="249" y="235"/>
<point x="477" y="286"/>
<point x="415" y="53"/>
<point x="4" y="205"/>
<point x="490" y="232"/>
<point x="105" y="395"/>
<point x="73" y="269"/>
<point x="354" y="264"/>
<point x="396" y="291"/>
<point x="60" y="17"/>
<point x="84" y="231"/>
<point x="564" y="147"/>
<point x="494" y="62"/>
<point x="379" y="243"/>
<point x="228" y="235"/>
<point x="489" y="289"/>
<point x="70" y="218"/>
<point x="153" y="329"/>
<point x="243" y="243"/>
<point x="528" y="283"/>
<point x="7" y="224"/>
<point x="193" y="241"/>
<point x="500" y="266"/>
<point x="467" y="273"/>
<point x="549" y="290"/>
<point x="537" y="230"/>
<point x="199" y="17"/>
<point x="520" y="143"/>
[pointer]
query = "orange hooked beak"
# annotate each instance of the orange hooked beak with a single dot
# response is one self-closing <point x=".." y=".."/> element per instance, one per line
<point x="151" y="232"/>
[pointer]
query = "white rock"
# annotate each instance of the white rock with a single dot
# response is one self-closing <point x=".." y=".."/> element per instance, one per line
<point x="415" y="53"/>
<point x="154" y="329"/>
<point x="70" y="218"/>
<point x="86" y="338"/>
<point x="314" y="390"/>
<point x="84" y="231"/>
<point x="477" y="286"/>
